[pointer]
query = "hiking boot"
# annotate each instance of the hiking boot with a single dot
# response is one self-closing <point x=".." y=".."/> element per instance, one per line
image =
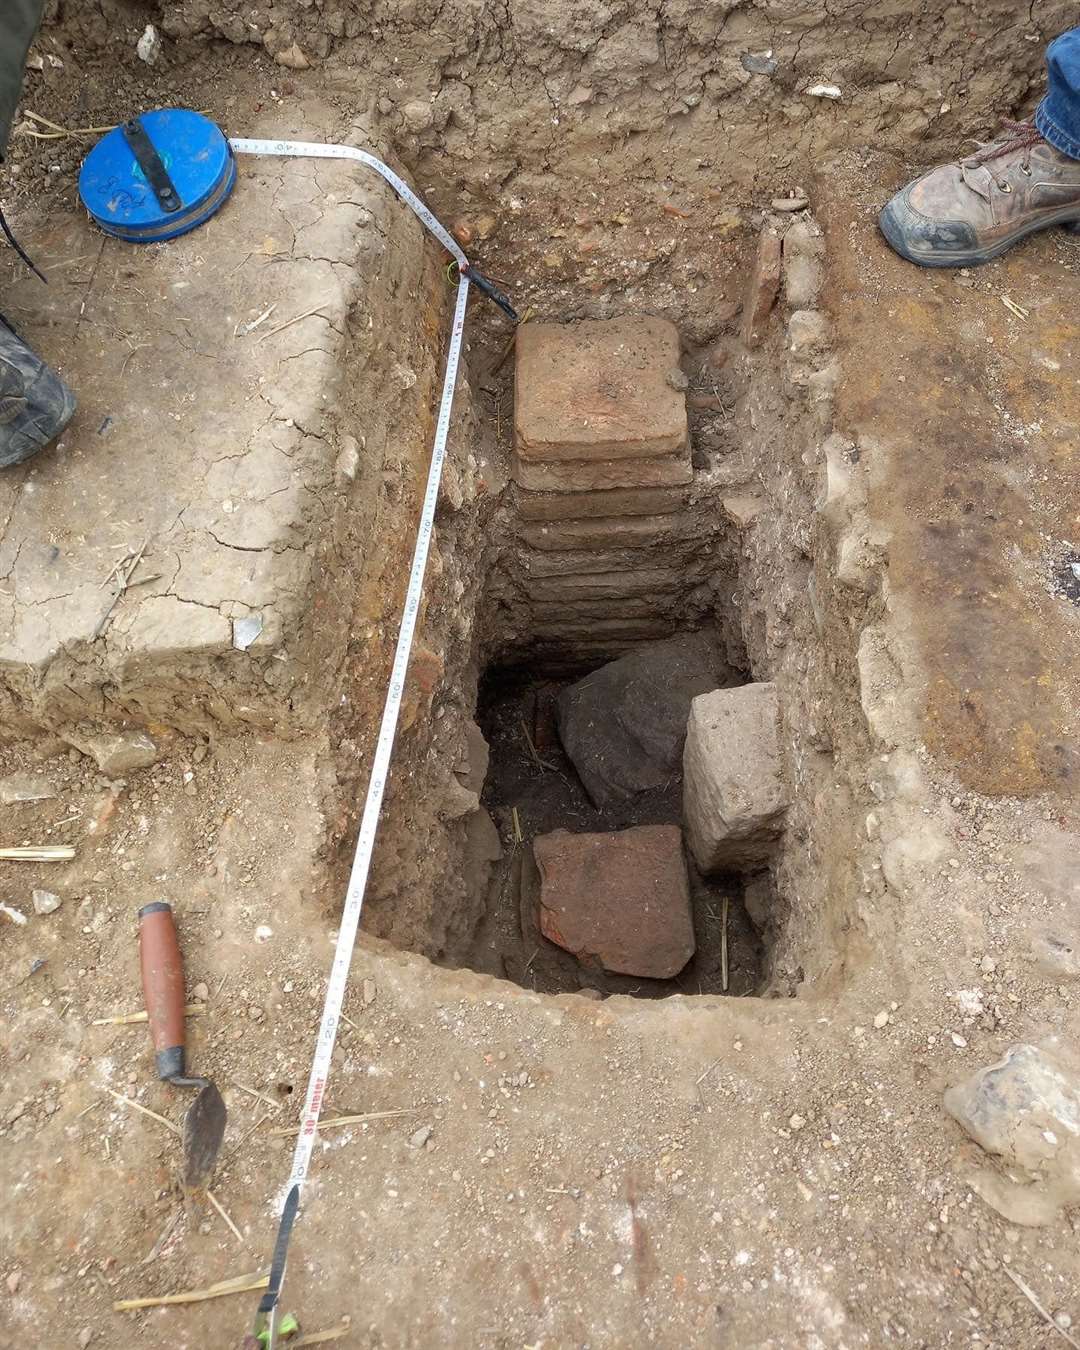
<point x="961" y="214"/>
<point x="35" y="403"/>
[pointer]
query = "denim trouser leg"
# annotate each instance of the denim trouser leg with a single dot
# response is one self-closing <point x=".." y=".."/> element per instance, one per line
<point x="19" y="21"/>
<point x="1058" y="115"/>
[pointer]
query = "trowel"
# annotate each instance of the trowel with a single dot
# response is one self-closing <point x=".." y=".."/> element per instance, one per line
<point x="163" y="992"/>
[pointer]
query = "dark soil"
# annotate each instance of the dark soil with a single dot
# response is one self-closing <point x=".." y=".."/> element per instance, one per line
<point x="531" y="789"/>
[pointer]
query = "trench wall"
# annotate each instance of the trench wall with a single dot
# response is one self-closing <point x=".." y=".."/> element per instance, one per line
<point x="485" y="94"/>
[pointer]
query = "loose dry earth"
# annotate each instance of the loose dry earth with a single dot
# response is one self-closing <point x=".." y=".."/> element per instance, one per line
<point x="881" y="520"/>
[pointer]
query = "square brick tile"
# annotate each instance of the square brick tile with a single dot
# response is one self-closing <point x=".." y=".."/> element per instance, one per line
<point x="598" y="390"/>
<point x="619" y="900"/>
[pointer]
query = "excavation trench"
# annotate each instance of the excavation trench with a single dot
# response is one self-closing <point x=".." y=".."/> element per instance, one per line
<point x="520" y="764"/>
<point x="538" y="591"/>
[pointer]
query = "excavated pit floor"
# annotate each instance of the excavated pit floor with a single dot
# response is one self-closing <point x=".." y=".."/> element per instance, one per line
<point x="532" y="788"/>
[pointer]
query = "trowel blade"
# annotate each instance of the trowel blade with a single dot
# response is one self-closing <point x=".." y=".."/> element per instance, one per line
<point x="204" y="1129"/>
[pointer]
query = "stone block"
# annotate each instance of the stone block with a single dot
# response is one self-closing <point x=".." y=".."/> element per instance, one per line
<point x="1025" y="1109"/>
<point x="601" y="474"/>
<point x="1008" y="1107"/>
<point x="743" y="510"/>
<point x="803" y="280"/>
<point x="734" y="794"/>
<point x="881" y="677"/>
<point x="576" y="506"/>
<point x="804" y="239"/>
<point x="619" y="900"/>
<point x="482" y="849"/>
<point x="117" y="752"/>
<point x="762" y="290"/>
<point x="623" y="726"/>
<point x="808" y="332"/>
<point x="598" y="390"/>
<point x="472" y="766"/>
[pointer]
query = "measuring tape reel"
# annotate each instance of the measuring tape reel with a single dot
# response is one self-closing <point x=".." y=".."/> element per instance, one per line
<point x="158" y="175"/>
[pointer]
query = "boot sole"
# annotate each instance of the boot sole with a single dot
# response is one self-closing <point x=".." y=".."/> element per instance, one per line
<point x="970" y="257"/>
<point x="29" y="448"/>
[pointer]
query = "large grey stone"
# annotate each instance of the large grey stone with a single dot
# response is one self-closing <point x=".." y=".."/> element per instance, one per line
<point x="733" y="788"/>
<point x="117" y="752"/>
<point x="623" y="725"/>
<point x="1025" y="1109"/>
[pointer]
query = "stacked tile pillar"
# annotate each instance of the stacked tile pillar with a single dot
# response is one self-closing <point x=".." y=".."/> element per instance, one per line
<point x="602" y="465"/>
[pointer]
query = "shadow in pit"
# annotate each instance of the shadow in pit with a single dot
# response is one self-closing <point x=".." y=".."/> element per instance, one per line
<point x="532" y="788"/>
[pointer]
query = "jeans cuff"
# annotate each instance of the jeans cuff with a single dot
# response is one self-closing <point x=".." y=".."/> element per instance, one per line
<point x="1053" y="134"/>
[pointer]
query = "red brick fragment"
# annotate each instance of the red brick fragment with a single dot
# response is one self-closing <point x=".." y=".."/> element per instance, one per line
<point x="619" y="900"/>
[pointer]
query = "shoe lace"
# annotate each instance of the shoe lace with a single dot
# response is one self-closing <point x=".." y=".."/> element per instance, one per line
<point x="1014" y="136"/>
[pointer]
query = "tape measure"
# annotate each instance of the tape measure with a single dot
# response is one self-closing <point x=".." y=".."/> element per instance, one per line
<point x="157" y="176"/>
<point x="380" y="769"/>
<point x="201" y="193"/>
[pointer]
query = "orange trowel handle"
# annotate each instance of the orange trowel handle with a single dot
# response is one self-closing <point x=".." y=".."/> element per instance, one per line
<point x="163" y="986"/>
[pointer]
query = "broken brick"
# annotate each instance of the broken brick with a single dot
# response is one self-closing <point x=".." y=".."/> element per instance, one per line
<point x="619" y="900"/>
<point x="762" y="290"/>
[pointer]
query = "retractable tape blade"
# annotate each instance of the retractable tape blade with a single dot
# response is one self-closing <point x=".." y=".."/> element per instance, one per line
<point x="365" y="842"/>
